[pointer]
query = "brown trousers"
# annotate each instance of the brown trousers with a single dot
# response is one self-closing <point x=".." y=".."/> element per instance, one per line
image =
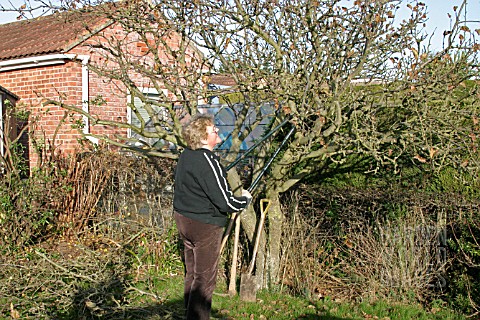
<point x="202" y="247"/>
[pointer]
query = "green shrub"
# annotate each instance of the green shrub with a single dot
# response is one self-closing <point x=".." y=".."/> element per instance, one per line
<point x="464" y="283"/>
<point x="452" y="181"/>
<point x="395" y="243"/>
<point x="23" y="218"/>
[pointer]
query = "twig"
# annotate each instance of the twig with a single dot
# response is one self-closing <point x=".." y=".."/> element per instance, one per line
<point x="144" y="293"/>
<point x="63" y="268"/>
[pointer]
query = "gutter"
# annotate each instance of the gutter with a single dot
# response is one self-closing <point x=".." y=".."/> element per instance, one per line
<point x="53" y="59"/>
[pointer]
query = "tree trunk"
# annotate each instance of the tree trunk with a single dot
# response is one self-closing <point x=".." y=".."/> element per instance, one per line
<point x="275" y="218"/>
<point x="249" y="224"/>
<point x="269" y="251"/>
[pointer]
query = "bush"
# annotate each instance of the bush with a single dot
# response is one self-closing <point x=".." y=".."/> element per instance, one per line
<point x="97" y="277"/>
<point x="464" y="251"/>
<point x="370" y="243"/>
<point x="108" y="236"/>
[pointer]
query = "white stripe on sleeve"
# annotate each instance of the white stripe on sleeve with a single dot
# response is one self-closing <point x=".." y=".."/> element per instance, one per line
<point x="224" y="188"/>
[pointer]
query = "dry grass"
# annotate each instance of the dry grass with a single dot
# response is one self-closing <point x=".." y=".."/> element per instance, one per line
<point x="95" y="276"/>
<point x="400" y="259"/>
<point x="364" y="244"/>
<point x="99" y="243"/>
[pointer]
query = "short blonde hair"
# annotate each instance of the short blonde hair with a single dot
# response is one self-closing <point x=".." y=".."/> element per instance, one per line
<point x="195" y="130"/>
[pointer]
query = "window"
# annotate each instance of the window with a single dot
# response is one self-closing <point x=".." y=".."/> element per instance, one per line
<point x="134" y="119"/>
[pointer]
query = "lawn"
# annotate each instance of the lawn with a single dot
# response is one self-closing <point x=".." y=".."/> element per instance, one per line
<point x="277" y="305"/>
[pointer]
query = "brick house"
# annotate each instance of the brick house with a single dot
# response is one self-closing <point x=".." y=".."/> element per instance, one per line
<point x="50" y="58"/>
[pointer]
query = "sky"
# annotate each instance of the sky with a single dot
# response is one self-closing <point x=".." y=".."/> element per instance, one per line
<point x="437" y="11"/>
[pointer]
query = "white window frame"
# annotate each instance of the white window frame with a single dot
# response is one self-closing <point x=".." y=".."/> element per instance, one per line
<point x="150" y="93"/>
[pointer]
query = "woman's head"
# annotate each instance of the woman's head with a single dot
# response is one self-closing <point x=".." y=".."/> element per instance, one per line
<point x="200" y="132"/>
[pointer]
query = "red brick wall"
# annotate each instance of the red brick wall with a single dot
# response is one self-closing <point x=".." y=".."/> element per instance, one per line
<point x="35" y="85"/>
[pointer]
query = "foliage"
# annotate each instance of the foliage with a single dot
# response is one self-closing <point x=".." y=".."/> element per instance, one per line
<point x="64" y="255"/>
<point x="65" y="194"/>
<point x="463" y="244"/>
<point x="387" y="243"/>
<point x="23" y="216"/>
<point x="58" y="197"/>
<point x="88" y="278"/>
<point x="124" y="261"/>
<point x="94" y="284"/>
<point x="452" y="181"/>
<point x="12" y="162"/>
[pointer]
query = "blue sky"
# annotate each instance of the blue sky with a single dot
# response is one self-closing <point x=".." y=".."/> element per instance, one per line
<point x="437" y="13"/>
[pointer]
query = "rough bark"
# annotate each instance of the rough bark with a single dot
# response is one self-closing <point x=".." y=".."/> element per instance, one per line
<point x="275" y="232"/>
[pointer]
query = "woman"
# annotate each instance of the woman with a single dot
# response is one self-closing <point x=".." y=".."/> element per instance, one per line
<point x="202" y="198"/>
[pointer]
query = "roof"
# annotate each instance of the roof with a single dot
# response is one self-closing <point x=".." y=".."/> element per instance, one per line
<point x="55" y="33"/>
<point x="222" y="80"/>
<point x="8" y="93"/>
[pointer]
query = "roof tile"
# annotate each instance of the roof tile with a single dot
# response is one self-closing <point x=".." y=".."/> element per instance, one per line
<point x="44" y="35"/>
<point x="222" y="79"/>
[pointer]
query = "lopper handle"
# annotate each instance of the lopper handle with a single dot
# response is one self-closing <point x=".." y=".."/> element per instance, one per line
<point x="257" y="179"/>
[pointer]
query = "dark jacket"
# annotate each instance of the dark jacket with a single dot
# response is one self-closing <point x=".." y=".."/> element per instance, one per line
<point x="201" y="190"/>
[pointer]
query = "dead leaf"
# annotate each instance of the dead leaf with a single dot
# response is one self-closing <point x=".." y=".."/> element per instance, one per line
<point x="420" y="158"/>
<point x="433" y="151"/>
<point x="14" y="313"/>
<point x="415" y="52"/>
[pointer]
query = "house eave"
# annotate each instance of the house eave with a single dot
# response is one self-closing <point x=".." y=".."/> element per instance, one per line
<point x="33" y="62"/>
